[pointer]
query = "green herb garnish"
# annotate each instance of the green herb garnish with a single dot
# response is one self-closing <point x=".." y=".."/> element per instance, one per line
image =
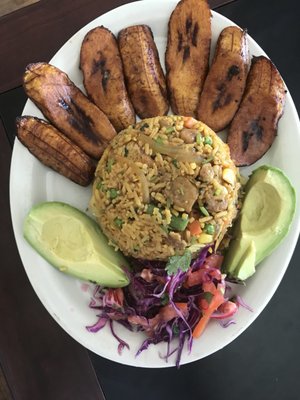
<point x="170" y="129"/>
<point x="164" y="299"/>
<point x="144" y="126"/>
<point x="109" y="164"/>
<point x="176" y="263"/>
<point x="113" y="193"/>
<point x="118" y="222"/>
<point x="204" y="211"/>
<point x="208" y="296"/>
<point x="150" y="209"/>
<point x="198" y="138"/>
<point x="159" y="140"/>
<point x="175" y="163"/>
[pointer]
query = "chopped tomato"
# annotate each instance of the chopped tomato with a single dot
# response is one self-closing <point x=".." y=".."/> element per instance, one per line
<point x="189" y="122"/>
<point x="201" y="275"/>
<point x="214" y="261"/>
<point x="195" y="228"/>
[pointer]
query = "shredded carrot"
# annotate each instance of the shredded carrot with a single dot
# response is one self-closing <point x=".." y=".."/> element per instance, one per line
<point x="214" y="303"/>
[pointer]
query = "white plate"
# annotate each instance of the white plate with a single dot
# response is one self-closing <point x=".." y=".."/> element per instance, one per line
<point x="64" y="297"/>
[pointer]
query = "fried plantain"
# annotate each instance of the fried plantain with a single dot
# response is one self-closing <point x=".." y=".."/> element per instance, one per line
<point x="187" y="54"/>
<point x="254" y="127"/>
<point x="103" y="77"/>
<point x="143" y="73"/>
<point x="68" y="108"/>
<point x="55" y="150"/>
<point x="225" y="83"/>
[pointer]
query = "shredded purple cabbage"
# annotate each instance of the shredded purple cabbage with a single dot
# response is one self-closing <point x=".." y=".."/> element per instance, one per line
<point x="162" y="306"/>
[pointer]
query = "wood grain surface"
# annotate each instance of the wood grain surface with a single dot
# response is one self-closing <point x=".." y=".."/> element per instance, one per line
<point x="9" y="6"/>
<point x="39" y="360"/>
<point x="35" y="33"/>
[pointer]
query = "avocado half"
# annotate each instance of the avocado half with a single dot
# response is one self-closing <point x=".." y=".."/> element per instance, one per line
<point x="73" y="243"/>
<point x="265" y="219"/>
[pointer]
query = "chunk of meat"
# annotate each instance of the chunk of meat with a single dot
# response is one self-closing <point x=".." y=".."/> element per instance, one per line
<point x="188" y="135"/>
<point x="206" y="173"/>
<point x="215" y="203"/>
<point x="183" y="193"/>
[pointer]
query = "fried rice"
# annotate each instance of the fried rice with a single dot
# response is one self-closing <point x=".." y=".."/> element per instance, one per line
<point x="160" y="179"/>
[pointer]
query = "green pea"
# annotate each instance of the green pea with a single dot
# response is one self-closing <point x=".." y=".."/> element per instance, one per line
<point x="208" y="140"/>
<point x="209" y="229"/>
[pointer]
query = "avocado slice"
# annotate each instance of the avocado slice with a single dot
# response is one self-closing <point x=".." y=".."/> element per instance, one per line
<point x="73" y="242"/>
<point x="267" y="212"/>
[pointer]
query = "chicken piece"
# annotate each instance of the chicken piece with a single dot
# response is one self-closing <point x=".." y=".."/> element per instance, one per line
<point x="103" y="77"/>
<point x="183" y="193"/>
<point x="68" y="108"/>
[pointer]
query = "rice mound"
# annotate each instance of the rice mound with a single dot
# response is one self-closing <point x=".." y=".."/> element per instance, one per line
<point x="155" y="179"/>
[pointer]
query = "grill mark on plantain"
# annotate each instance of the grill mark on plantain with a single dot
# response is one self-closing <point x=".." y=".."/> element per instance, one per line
<point x="186" y="53"/>
<point x="232" y="71"/>
<point x="187" y="39"/>
<point x="99" y="65"/>
<point x="195" y="34"/>
<point x="254" y="130"/>
<point x="79" y="120"/>
<point x="223" y="98"/>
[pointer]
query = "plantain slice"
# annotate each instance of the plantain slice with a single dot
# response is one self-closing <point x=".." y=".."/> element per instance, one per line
<point x="143" y="73"/>
<point x="187" y="54"/>
<point x="55" y="150"/>
<point x="254" y="126"/>
<point x="103" y="77"/>
<point x="68" y="108"/>
<point x="225" y="83"/>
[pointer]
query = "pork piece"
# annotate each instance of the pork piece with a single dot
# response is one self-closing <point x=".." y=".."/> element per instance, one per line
<point x="188" y="135"/>
<point x="183" y="193"/>
<point x="103" y="77"/>
<point x="187" y="54"/>
<point x="225" y="83"/>
<point x="254" y="126"/>
<point x="143" y="73"/>
<point x="66" y="107"/>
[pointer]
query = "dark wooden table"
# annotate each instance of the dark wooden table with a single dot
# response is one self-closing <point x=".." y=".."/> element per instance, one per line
<point x="38" y="359"/>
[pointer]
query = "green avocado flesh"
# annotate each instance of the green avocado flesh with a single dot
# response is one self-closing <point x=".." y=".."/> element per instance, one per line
<point x="72" y="242"/>
<point x="265" y="218"/>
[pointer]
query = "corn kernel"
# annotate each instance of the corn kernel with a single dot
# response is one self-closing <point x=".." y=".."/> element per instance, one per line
<point x="228" y="176"/>
<point x="205" y="238"/>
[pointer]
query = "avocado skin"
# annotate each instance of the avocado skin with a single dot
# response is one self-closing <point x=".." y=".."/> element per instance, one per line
<point x="265" y="219"/>
<point x="73" y="243"/>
